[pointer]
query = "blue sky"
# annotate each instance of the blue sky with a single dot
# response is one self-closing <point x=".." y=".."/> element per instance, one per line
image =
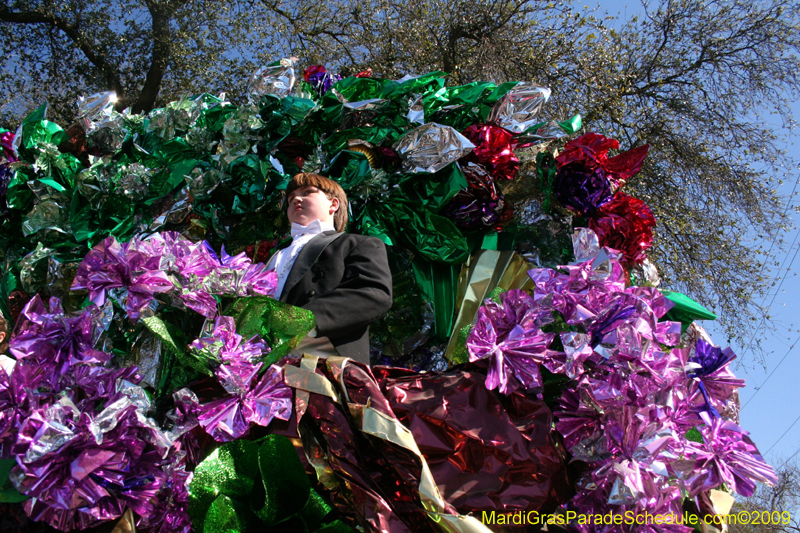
<point x="771" y="400"/>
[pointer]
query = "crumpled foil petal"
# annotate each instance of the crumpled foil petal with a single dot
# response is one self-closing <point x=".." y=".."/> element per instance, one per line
<point x="516" y="111"/>
<point x="277" y="78"/>
<point x="431" y="147"/>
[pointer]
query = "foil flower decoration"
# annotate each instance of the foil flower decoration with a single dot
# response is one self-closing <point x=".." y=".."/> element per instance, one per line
<point x="171" y="512"/>
<point x="481" y="205"/>
<point x="130" y="266"/>
<point x="320" y="79"/>
<point x="82" y="467"/>
<point x="47" y="338"/>
<point x="229" y="418"/>
<point x="582" y="188"/>
<point x="591" y="150"/>
<point x="239" y="276"/>
<point x="708" y="368"/>
<point x="516" y="111"/>
<point x="16" y="386"/>
<point x="625" y="224"/>
<point x="223" y="344"/>
<point x="493" y="150"/>
<point x="727" y="456"/>
<point x="277" y="78"/>
<point x="506" y="335"/>
<point x="7" y="144"/>
<point x="431" y="147"/>
<point x="250" y="400"/>
<point x="102" y="125"/>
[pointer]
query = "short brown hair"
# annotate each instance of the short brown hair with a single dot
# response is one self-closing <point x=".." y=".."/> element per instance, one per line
<point x="329" y="187"/>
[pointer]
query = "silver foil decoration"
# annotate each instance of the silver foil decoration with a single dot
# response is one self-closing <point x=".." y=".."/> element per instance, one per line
<point x="103" y="126"/>
<point x="60" y="276"/>
<point x="551" y="130"/>
<point x="31" y="275"/>
<point x="147" y="354"/>
<point x="365" y="105"/>
<point x="175" y="213"/>
<point x="54" y="432"/>
<point x="202" y="181"/>
<point x="585" y="244"/>
<point x="92" y="183"/>
<point x="108" y="418"/>
<point x="133" y="180"/>
<point x="416" y="113"/>
<point x="646" y="273"/>
<point x="431" y="147"/>
<point x="51" y="213"/>
<point x="96" y="110"/>
<point x="277" y="79"/>
<point x="622" y="494"/>
<point x="516" y="111"/>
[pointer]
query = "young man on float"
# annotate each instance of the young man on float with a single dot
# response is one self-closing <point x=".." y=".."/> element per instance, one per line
<point x="343" y="278"/>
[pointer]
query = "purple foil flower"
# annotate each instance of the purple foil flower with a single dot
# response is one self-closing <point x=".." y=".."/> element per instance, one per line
<point x="230" y="418"/>
<point x="510" y="340"/>
<point x="111" y="265"/>
<point x="249" y="402"/>
<point x="709" y="370"/>
<point x="727" y="456"/>
<point x="581" y="188"/>
<point x="54" y="341"/>
<point x="238" y="276"/>
<point x="7" y="143"/>
<point x="320" y="79"/>
<point x="171" y="513"/>
<point x="82" y="467"/>
<point x="15" y="392"/>
<point x="228" y="347"/>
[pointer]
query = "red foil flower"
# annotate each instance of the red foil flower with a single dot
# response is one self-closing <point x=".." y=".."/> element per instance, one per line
<point x="493" y="150"/>
<point x="625" y="224"/>
<point x="592" y="150"/>
<point x="314" y="69"/>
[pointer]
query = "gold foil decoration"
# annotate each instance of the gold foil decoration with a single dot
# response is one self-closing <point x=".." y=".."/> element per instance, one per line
<point x="485" y="271"/>
<point x="126" y="523"/>
<point x="357" y="145"/>
<point x="308" y="363"/>
<point x="300" y="378"/>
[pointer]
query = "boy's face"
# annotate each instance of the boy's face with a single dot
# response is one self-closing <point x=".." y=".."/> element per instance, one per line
<point x="307" y="204"/>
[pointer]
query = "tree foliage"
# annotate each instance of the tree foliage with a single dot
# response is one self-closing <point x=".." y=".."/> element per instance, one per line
<point x="782" y="500"/>
<point x="695" y="79"/>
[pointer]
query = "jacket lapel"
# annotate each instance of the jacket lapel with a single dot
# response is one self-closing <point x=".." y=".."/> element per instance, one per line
<point x="306" y="258"/>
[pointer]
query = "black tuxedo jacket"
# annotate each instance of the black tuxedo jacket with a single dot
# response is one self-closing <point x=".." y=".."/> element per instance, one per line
<point x="344" y="279"/>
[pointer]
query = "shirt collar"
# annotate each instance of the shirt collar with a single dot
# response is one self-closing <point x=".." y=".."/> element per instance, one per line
<point x="313" y="228"/>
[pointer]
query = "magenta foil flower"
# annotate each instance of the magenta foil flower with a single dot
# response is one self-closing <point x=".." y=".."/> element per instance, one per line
<point x="229" y="418"/>
<point x="250" y="400"/>
<point x="130" y="266"/>
<point x="82" y="467"/>
<point x="507" y="336"/>
<point x="710" y="373"/>
<point x="49" y="339"/>
<point x="727" y="456"/>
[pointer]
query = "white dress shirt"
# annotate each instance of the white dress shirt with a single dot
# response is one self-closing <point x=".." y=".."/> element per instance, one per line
<point x="283" y="260"/>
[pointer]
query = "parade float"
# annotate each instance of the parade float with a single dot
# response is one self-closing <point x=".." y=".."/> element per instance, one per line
<point x="531" y="363"/>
